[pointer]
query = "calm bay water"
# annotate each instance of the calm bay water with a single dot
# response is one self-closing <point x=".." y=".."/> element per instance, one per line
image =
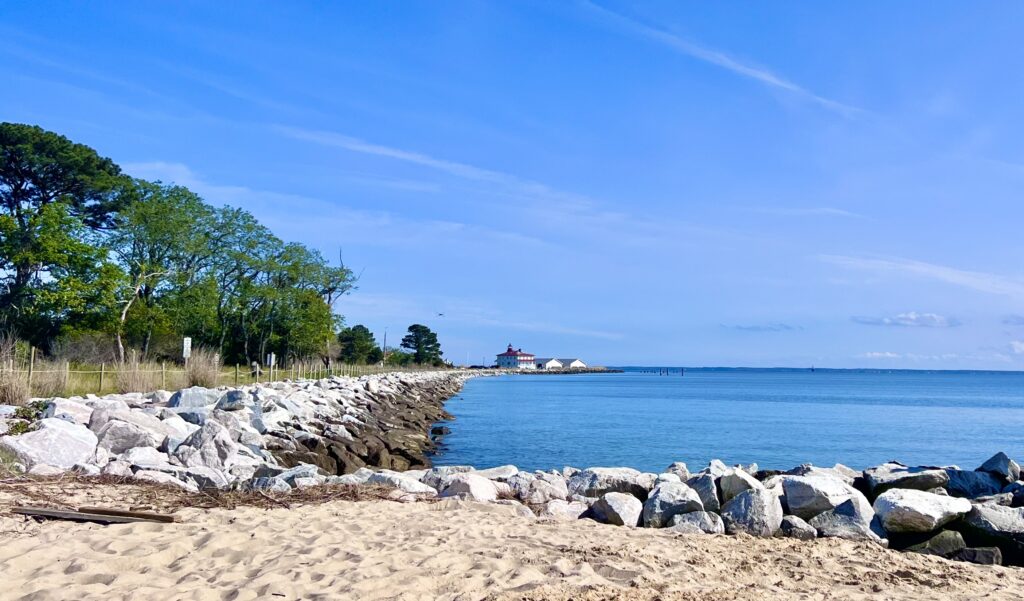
<point x="777" y="418"/>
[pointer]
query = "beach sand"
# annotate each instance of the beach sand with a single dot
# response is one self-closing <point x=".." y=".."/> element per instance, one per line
<point x="453" y="550"/>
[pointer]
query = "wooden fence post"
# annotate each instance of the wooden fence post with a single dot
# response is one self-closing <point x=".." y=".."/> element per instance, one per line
<point x="67" y="377"/>
<point x="236" y="374"/>
<point x="163" y="375"/>
<point x="31" y="366"/>
<point x="102" y="367"/>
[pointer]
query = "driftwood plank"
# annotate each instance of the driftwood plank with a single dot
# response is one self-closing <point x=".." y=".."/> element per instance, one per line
<point x="142" y="515"/>
<point x="81" y="516"/>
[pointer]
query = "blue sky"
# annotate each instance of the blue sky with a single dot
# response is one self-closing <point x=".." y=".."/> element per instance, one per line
<point x="631" y="183"/>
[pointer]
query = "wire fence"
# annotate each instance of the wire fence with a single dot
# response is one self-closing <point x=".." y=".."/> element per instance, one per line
<point x="49" y="378"/>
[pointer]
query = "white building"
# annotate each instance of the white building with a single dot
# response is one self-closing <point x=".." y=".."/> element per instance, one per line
<point x="516" y="359"/>
<point x="547" y="363"/>
<point x="572" y="363"/>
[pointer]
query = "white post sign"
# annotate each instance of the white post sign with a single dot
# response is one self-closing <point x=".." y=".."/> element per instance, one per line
<point x="271" y="359"/>
<point x="186" y="347"/>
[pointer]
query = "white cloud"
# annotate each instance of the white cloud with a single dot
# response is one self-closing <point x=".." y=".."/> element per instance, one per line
<point x="1017" y="347"/>
<point x="913" y="319"/>
<point x="914" y="357"/>
<point x="719" y="59"/>
<point x="975" y="280"/>
<point x="881" y="355"/>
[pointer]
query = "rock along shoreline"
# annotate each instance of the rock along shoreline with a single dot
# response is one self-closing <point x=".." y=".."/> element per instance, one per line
<point x="376" y="430"/>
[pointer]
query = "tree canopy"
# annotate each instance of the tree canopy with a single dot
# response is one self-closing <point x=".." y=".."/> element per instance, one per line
<point x="86" y="251"/>
<point x="423" y="345"/>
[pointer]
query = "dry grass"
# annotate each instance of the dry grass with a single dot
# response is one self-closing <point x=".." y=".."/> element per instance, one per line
<point x="134" y="376"/>
<point x="49" y="379"/>
<point x="14" y="388"/>
<point x="203" y="368"/>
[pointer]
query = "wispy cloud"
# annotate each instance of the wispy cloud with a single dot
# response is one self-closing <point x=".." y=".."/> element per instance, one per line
<point x="719" y="59"/>
<point x="975" y="280"/>
<point x="770" y="327"/>
<point x="886" y="355"/>
<point x="806" y="212"/>
<point x="1013" y="320"/>
<point x="913" y="319"/>
<point x="461" y="170"/>
<point x="1017" y="347"/>
<point x="881" y="355"/>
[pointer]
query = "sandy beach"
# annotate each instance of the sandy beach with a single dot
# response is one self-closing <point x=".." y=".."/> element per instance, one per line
<point x="449" y="549"/>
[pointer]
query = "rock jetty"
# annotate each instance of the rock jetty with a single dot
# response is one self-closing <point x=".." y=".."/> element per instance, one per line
<point x="275" y="435"/>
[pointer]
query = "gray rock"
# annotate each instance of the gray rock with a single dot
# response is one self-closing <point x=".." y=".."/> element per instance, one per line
<point x="164" y="478"/>
<point x="272" y="484"/>
<point x="620" y="509"/>
<point x="755" y="511"/>
<point x="41" y="469"/>
<point x="596" y="481"/>
<point x="679" y="469"/>
<point x="851" y="520"/>
<point x="563" y="510"/>
<point x="87" y="469"/>
<point x="840" y="471"/>
<point x="947" y="543"/>
<point x="121" y="469"/>
<point x="117" y="437"/>
<point x="471" y="486"/>
<point x="234" y="400"/>
<point x="194" y="415"/>
<point x="303" y="470"/>
<point x="437" y="478"/>
<point x="401" y="482"/>
<point x="68" y="410"/>
<point x="807" y="496"/>
<point x="987" y="556"/>
<point x="971" y="485"/>
<point x="996" y="526"/>
<point x="669" y="499"/>
<point x="666" y="477"/>
<point x="904" y="510"/>
<point x="697" y="521"/>
<point x="736" y="481"/>
<point x="896" y="475"/>
<point x="143" y="455"/>
<point x="196" y="396"/>
<point x="54" y="442"/>
<point x="502" y="472"/>
<point x="794" y="527"/>
<point x="1002" y="466"/>
<point x="209" y="446"/>
<point x="704" y="486"/>
<point x="207" y="478"/>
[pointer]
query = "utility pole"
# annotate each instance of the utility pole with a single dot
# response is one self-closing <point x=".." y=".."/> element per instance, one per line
<point x="385" y="349"/>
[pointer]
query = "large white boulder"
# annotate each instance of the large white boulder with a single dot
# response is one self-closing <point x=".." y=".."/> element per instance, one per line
<point x="559" y="509"/>
<point x="69" y="410"/>
<point x="209" y="446"/>
<point x="401" y="482"/>
<point x="697" y="522"/>
<point x="755" y="511"/>
<point x="904" y="510"/>
<point x="596" y="481"/>
<point x="621" y="509"/>
<point x="807" y="496"/>
<point x="502" y="472"/>
<point x="472" y="487"/>
<point x="54" y="442"/>
<point x="704" y="485"/>
<point x="669" y="499"/>
<point x="736" y="481"/>
<point x="853" y="519"/>
<point x="1002" y="466"/>
<point x="196" y="396"/>
<point x="896" y="475"/>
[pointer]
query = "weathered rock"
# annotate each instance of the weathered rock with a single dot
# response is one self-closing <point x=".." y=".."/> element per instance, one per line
<point x="234" y="400"/>
<point x="795" y="527"/>
<point x="840" y="471"/>
<point x="971" y="485"/>
<point x="596" y="481"/>
<point x="905" y="510"/>
<point x="755" y="511"/>
<point x="54" y="442"/>
<point x="502" y="472"/>
<point x="896" y="475"/>
<point x="1002" y="466"/>
<point x="563" y="510"/>
<point x="669" y="499"/>
<point x="209" y="446"/>
<point x="87" y="469"/>
<point x="620" y="509"/>
<point x="680" y="470"/>
<point x="947" y="543"/>
<point x="666" y="477"/>
<point x="272" y="484"/>
<point x="68" y="410"/>
<point x="41" y="469"/>
<point x="697" y="521"/>
<point x="164" y="478"/>
<point x="716" y="468"/>
<point x="117" y="437"/>
<point x="196" y="396"/>
<point x="996" y="526"/>
<point x="735" y="481"/>
<point x="471" y="486"/>
<point x="401" y="482"/>
<point x="704" y="486"/>
<point x="852" y="520"/>
<point x="989" y="556"/>
<point x="121" y="469"/>
<point x="143" y="455"/>
<point x="207" y="478"/>
<point x="807" y="496"/>
<point x="437" y="478"/>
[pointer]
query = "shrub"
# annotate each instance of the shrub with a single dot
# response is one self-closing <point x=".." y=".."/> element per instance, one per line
<point x="203" y="368"/>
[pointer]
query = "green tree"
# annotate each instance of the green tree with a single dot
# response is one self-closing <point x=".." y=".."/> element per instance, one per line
<point x="358" y="345"/>
<point x="423" y="344"/>
<point x="53" y="195"/>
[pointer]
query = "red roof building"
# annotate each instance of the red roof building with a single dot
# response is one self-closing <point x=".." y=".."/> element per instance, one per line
<point x="516" y="359"/>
